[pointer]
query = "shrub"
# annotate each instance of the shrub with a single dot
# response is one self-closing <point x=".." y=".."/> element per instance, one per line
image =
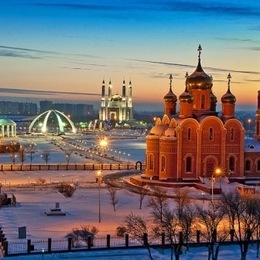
<point x="66" y="189"/>
<point x="120" y="231"/>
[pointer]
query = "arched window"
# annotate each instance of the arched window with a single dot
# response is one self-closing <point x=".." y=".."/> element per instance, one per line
<point x="163" y="163"/>
<point x="151" y="162"/>
<point x="232" y="134"/>
<point x="189" y="134"/>
<point x="248" y="165"/>
<point x="202" y="101"/>
<point x="188" y="164"/>
<point x="211" y="134"/>
<point x="232" y="164"/>
<point x="258" y="165"/>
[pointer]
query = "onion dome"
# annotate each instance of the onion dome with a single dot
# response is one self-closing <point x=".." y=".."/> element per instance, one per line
<point x="158" y="130"/>
<point x="186" y="96"/>
<point x="199" y="79"/>
<point x="170" y="132"/>
<point x="228" y="97"/>
<point x="170" y="96"/>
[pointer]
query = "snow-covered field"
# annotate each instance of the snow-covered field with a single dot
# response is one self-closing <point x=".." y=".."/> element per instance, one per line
<point x="81" y="209"/>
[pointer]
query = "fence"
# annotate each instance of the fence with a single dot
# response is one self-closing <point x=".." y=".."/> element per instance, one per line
<point x="86" y="166"/>
<point x="49" y="245"/>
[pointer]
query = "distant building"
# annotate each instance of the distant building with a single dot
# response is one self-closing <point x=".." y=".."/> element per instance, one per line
<point x="73" y="110"/>
<point x="195" y="141"/>
<point x="116" y="107"/>
<point x="17" y="108"/>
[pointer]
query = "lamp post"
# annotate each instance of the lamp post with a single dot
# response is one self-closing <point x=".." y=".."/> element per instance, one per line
<point x="216" y="172"/>
<point x="99" y="178"/>
<point x="103" y="145"/>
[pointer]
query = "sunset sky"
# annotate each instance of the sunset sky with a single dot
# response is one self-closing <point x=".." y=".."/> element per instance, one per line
<point x="51" y="47"/>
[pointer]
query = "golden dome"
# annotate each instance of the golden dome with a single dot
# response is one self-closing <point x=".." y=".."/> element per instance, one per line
<point x="186" y="97"/>
<point x="228" y="97"/>
<point x="199" y="79"/>
<point x="170" y="96"/>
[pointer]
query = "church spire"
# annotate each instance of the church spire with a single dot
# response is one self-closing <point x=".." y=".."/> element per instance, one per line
<point x="170" y="100"/>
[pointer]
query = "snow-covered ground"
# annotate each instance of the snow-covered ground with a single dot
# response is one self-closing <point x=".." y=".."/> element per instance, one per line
<point x="82" y="208"/>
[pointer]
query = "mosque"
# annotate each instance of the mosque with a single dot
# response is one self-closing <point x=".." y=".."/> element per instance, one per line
<point x="116" y="108"/>
<point x="194" y="142"/>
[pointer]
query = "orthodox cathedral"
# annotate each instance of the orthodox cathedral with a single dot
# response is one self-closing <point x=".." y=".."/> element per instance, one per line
<point x="195" y="141"/>
<point x="116" y="108"/>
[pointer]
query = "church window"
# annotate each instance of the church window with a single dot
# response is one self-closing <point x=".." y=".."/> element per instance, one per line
<point x="248" y="165"/>
<point x="163" y="163"/>
<point x="211" y="134"/>
<point x="189" y="134"/>
<point x="188" y="164"/>
<point x="151" y="162"/>
<point x="232" y="134"/>
<point x="258" y="165"/>
<point x="232" y="164"/>
<point x="203" y="101"/>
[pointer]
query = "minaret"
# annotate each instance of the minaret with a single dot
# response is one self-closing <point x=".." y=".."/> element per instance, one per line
<point x="257" y="118"/>
<point x="170" y="100"/>
<point x="102" y="112"/>
<point x="124" y="105"/>
<point x="130" y="102"/>
<point x="109" y="96"/>
<point x="228" y="103"/>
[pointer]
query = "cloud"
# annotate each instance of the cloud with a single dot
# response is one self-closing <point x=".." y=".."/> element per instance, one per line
<point x="191" y="66"/>
<point x="202" y="7"/>
<point x="42" y="92"/>
<point x="28" y="53"/>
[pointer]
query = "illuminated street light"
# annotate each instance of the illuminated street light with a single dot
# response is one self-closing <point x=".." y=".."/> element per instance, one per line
<point x="217" y="172"/>
<point x="99" y="179"/>
<point x="249" y="124"/>
<point x="103" y="143"/>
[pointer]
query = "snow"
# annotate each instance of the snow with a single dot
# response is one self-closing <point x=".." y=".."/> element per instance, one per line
<point x="81" y="208"/>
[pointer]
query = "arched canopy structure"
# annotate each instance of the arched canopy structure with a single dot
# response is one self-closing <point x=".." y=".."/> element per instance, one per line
<point x="7" y="127"/>
<point x="45" y="117"/>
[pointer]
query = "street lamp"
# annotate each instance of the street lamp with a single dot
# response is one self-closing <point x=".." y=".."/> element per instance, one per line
<point x="103" y="143"/>
<point x="99" y="179"/>
<point x="216" y="172"/>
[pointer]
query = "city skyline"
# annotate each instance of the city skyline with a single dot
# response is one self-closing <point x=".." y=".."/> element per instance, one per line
<point x="62" y="50"/>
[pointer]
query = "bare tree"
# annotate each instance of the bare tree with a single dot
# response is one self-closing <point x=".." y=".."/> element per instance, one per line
<point x="13" y="149"/>
<point x="68" y="155"/>
<point x="175" y="223"/>
<point x="82" y="234"/>
<point x="243" y="214"/>
<point x="185" y="212"/>
<point x="22" y="154"/>
<point x="113" y="198"/>
<point x="137" y="227"/>
<point x="30" y="148"/>
<point x="142" y="191"/>
<point x="157" y="202"/>
<point x="46" y="157"/>
<point x="208" y="222"/>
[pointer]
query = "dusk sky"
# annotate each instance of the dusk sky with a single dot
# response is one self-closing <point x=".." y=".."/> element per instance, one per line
<point x="49" y="48"/>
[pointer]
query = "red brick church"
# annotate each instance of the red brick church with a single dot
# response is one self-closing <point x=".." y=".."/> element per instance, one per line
<point x="195" y="141"/>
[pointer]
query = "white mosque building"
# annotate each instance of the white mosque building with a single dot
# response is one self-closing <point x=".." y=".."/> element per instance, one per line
<point x="116" y="108"/>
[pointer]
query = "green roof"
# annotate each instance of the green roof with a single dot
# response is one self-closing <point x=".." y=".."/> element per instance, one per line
<point x="6" y="121"/>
